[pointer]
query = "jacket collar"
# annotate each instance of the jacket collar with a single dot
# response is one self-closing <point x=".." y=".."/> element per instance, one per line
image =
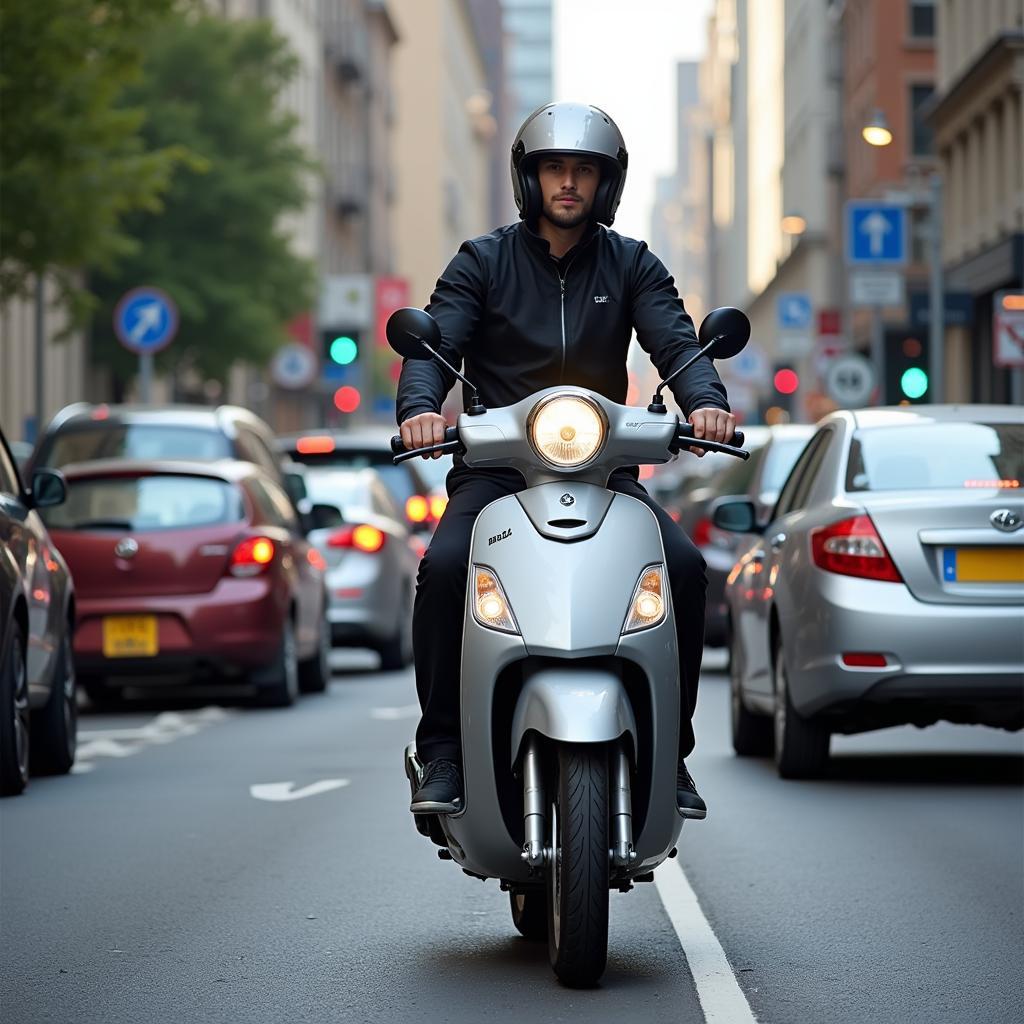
<point x="539" y="245"/>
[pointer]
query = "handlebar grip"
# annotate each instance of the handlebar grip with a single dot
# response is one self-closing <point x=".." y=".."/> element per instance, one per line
<point x="398" y="448"/>
<point x="685" y="431"/>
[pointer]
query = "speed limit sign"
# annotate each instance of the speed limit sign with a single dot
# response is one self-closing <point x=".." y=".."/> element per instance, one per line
<point x="850" y="380"/>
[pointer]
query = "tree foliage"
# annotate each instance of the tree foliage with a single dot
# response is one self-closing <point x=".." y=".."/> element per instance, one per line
<point x="73" y="162"/>
<point x="217" y="246"/>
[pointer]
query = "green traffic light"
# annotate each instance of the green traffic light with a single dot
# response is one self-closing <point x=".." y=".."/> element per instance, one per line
<point x="344" y="350"/>
<point x="914" y="382"/>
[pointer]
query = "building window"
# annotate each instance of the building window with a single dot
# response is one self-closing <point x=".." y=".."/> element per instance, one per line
<point x="921" y="18"/>
<point x="921" y="138"/>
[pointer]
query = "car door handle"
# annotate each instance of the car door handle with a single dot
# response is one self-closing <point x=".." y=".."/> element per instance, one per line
<point x="777" y="541"/>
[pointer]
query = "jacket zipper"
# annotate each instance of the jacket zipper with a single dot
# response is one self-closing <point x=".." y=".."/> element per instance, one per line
<point x="561" y="282"/>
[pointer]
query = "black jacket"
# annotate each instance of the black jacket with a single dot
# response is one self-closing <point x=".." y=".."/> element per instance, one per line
<point x="520" y="320"/>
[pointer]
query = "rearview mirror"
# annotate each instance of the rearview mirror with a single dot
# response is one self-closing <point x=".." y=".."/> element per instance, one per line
<point x="325" y="517"/>
<point x="734" y="515"/>
<point x="413" y="333"/>
<point x="48" y="488"/>
<point x="728" y="328"/>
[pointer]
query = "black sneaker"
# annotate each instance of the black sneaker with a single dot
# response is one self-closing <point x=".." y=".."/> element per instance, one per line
<point x="440" y="791"/>
<point x="687" y="798"/>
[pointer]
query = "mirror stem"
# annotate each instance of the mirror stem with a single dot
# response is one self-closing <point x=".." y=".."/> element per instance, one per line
<point x="657" y="402"/>
<point x="475" y="407"/>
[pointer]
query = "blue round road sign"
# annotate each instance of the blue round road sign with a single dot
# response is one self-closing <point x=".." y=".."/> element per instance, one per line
<point x="145" y="320"/>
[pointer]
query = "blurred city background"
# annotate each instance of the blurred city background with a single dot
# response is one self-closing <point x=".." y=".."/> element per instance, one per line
<point x="289" y="172"/>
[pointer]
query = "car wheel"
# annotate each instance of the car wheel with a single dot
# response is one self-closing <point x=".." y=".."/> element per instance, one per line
<point x="278" y="683"/>
<point x="315" y="674"/>
<point x="396" y="653"/>
<point x="14" y="715"/>
<point x="752" y="735"/>
<point x="801" y="745"/>
<point x="55" y="725"/>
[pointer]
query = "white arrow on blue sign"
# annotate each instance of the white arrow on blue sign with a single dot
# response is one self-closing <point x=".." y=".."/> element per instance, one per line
<point x="145" y="320"/>
<point x="794" y="311"/>
<point x="876" y="233"/>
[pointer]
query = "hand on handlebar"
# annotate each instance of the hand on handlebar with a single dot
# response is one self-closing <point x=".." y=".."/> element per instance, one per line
<point x="712" y="425"/>
<point x="422" y="431"/>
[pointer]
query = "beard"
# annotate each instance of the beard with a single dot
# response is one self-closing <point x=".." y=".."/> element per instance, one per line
<point x="567" y="216"/>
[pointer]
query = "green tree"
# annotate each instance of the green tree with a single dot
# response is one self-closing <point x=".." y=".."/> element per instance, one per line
<point x="72" y="161"/>
<point x="217" y="246"/>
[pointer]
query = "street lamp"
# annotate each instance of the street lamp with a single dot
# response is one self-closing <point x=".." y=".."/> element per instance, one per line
<point x="876" y="131"/>
<point x="793" y="224"/>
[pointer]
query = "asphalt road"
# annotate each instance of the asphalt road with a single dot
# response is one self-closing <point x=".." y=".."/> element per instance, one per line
<point x="156" y="884"/>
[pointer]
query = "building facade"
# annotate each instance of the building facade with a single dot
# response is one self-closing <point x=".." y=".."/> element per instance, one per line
<point x="978" y="122"/>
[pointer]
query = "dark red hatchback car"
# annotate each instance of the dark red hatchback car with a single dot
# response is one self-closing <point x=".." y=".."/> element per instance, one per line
<point x="191" y="572"/>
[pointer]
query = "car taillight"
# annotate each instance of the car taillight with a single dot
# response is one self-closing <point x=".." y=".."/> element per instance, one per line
<point x="252" y="556"/>
<point x="362" y="537"/>
<point x="417" y="508"/>
<point x="852" y="547"/>
<point x="701" y="535"/>
<point x="438" y="503"/>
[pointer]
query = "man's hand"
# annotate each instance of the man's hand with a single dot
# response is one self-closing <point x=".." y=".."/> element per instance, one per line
<point x="712" y="425"/>
<point x="422" y="431"/>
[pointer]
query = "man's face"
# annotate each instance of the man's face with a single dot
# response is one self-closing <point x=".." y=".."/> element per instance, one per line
<point x="568" y="185"/>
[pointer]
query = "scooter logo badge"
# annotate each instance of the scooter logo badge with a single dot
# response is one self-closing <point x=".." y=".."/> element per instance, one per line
<point x="499" y="536"/>
<point x="567" y="499"/>
<point x="1006" y="520"/>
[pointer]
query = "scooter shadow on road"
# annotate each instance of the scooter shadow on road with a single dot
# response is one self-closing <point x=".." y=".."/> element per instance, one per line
<point x="929" y="769"/>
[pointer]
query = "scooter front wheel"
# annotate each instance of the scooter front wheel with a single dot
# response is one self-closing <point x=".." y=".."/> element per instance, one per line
<point x="578" y="873"/>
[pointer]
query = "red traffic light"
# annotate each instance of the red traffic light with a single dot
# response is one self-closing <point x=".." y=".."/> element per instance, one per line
<point x="346" y="399"/>
<point x="786" y="381"/>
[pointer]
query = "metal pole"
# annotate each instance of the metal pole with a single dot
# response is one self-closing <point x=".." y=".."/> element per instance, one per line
<point x="40" y="397"/>
<point x="145" y="376"/>
<point x="937" y="298"/>
<point x="878" y="351"/>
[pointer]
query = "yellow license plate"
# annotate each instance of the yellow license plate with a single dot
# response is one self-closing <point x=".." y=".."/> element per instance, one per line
<point x="984" y="565"/>
<point x="130" y="636"/>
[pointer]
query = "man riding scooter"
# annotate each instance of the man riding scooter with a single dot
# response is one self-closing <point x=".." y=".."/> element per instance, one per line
<point x="551" y="300"/>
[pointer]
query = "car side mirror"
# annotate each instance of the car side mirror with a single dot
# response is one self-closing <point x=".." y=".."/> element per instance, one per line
<point x="735" y="515"/>
<point x="325" y="517"/>
<point x="48" y="488"/>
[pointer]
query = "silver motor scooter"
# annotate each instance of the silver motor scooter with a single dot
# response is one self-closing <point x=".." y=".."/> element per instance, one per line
<point x="570" y="673"/>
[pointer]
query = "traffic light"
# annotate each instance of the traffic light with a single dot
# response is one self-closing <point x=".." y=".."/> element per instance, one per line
<point x="906" y="368"/>
<point x="339" y="348"/>
<point x="347" y="398"/>
<point x="785" y="384"/>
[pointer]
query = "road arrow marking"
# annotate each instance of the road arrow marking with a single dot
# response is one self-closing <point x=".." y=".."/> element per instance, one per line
<point x="393" y="714"/>
<point x="876" y="226"/>
<point x="278" y="792"/>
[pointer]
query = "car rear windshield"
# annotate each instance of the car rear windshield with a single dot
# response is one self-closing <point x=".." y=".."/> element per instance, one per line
<point x="138" y="503"/>
<point x="134" y="441"/>
<point x="937" y="455"/>
<point x="399" y="480"/>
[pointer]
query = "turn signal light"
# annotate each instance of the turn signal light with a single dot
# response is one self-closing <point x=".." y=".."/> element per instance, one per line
<point x="252" y="556"/>
<point x="490" y="606"/>
<point x="852" y="547"/>
<point x="648" y="605"/>
<point x="417" y="508"/>
<point x="362" y="537"/>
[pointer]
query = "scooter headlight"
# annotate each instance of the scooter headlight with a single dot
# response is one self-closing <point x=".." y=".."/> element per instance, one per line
<point x="648" y="605"/>
<point x="567" y="430"/>
<point x="490" y="605"/>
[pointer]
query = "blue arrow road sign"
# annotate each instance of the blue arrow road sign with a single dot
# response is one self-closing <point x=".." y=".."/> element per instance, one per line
<point x="794" y="311"/>
<point x="145" y="320"/>
<point x="876" y="233"/>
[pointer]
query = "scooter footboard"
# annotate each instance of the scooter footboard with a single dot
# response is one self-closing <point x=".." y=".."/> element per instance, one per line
<point x="573" y="704"/>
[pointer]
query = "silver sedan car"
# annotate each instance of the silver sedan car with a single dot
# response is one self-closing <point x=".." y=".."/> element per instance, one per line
<point x="372" y="559"/>
<point x="886" y="588"/>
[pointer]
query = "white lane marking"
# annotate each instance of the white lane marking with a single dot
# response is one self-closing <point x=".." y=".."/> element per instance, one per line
<point x="164" y="728"/>
<point x="721" y="997"/>
<point x="393" y="714"/>
<point x="82" y="768"/>
<point x="281" y="791"/>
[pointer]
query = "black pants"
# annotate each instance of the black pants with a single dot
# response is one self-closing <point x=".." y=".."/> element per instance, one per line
<point x="441" y="602"/>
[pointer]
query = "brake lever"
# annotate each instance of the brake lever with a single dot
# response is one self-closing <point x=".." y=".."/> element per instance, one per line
<point x="445" y="447"/>
<point x="713" y="446"/>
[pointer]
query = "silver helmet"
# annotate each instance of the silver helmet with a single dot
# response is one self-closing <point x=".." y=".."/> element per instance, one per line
<point x="569" y="128"/>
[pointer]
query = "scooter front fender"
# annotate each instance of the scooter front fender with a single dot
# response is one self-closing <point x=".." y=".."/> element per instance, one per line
<point x="572" y="704"/>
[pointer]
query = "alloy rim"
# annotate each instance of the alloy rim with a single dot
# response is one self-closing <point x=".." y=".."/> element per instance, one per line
<point x="20" y="710"/>
<point x="70" y="701"/>
<point x="780" y="703"/>
<point x="554" y="868"/>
